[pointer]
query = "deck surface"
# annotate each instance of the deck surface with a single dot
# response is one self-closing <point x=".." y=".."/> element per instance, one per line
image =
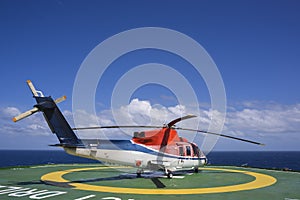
<point x="80" y="182"/>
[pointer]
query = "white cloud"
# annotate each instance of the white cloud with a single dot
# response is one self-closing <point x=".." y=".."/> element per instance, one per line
<point x="137" y="112"/>
<point x="251" y="118"/>
<point x="178" y="110"/>
<point x="35" y="125"/>
<point x="11" y="111"/>
<point x="271" y="119"/>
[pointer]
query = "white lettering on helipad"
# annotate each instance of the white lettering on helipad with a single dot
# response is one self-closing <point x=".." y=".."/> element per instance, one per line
<point x="31" y="193"/>
<point x="86" y="197"/>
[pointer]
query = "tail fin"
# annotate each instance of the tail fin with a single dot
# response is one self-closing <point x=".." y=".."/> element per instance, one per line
<point x="55" y="119"/>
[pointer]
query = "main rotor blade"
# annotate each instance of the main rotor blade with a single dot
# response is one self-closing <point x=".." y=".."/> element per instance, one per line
<point x="222" y="135"/>
<point x="172" y="123"/>
<point x="169" y="125"/>
<point x="107" y="127"/>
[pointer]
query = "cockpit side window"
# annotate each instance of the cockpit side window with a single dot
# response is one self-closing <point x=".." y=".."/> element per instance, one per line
<point x="188" y="150"/>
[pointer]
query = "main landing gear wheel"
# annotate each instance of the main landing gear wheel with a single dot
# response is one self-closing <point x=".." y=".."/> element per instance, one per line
<point x="169" y="174"/>
<point x="196" y="170"/>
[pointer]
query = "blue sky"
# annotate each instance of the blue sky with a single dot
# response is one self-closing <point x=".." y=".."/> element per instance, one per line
<point x="255" y="45"/>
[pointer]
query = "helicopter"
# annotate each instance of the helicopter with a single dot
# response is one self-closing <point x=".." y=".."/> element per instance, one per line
<point x="158" y="149"/>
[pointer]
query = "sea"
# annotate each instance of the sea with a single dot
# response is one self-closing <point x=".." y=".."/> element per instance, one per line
<point x="280" y="160"/>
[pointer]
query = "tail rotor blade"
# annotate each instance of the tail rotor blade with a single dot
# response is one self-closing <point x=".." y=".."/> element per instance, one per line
<point x="32" y="88"/>
<point x="60" y="99"/>
<point x="36" y="94"/>
<point x="25" y="114"/>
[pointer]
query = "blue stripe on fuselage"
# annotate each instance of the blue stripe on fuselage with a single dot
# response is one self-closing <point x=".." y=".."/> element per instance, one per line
<point x="127" y="145"/>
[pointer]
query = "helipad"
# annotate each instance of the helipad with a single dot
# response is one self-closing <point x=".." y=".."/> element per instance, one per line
<point x="81" y="182"/>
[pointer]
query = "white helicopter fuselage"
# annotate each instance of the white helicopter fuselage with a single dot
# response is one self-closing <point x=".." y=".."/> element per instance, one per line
<point x="126" y="152"/>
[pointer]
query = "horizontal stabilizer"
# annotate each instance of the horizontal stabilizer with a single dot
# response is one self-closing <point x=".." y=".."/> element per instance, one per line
<point x="67" y="145"/>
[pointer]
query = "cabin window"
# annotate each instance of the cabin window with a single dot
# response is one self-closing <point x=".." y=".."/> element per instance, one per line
<point x="188" y="150"/>
<point x="181" y="152"/>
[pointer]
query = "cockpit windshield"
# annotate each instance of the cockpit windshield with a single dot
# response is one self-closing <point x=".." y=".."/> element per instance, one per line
<point x="196" y="150"/>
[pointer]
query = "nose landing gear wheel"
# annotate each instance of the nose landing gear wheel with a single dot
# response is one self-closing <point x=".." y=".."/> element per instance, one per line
<point x="139" y="173"/>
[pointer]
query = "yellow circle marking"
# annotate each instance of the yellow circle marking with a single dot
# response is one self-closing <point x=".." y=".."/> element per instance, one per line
<point x="261" y="180"/>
